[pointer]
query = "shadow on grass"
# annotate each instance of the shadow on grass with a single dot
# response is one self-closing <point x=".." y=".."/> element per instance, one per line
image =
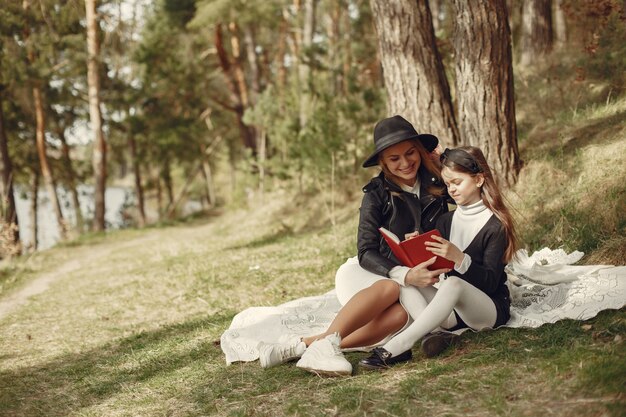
<point x="556" y="141"/>
<point x="178" y="362"/>
<point x="585" y="135"/>
<point x="74" y="381"/>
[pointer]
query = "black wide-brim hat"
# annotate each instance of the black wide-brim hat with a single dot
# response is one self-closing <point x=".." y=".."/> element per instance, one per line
<point x="393" y="130"/>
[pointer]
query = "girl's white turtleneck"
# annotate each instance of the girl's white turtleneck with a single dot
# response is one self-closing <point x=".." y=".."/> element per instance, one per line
<point x="466" y="223"/>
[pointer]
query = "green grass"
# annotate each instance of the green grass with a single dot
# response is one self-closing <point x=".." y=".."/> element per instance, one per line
<point x="135" y="331"/>
<point x="129" y="322"/>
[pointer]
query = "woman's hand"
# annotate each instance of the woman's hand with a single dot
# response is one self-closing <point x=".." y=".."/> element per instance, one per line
<point x="445" y="249"/>
<point x="420" y="276"/>
<point x="410" y="235"/>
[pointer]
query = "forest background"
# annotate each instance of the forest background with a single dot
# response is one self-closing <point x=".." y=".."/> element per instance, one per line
<point x="263" y="111"/>
<point x="223" y="102"/>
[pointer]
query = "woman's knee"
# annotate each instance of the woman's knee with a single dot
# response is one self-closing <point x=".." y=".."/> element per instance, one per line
<point x="398" y="314"/>
<point x="387" y="289"/>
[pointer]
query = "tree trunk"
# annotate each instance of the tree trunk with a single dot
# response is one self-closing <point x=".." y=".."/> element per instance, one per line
<point x="43" y="161"/>
<point x="34" y="224"/>
<point x="208" y="181"/>
<point x="65" y="150"/>
<point x="437" y="8"/>
<point x="95" y="117"/>
<point x="414" y="76"/>
<point x="304" y="69"/>
<point x="166" y="176"/>
<point x="208" y="176"/>
<point x="347" y="52"/>
<point x="253" y="62"/>
<point x="484" y="84"/>
<point x="240" y="79"/>
<point x="281" y="76"/>
<point x="9" y="214"/>
<point x="159" y="194"/>
<point x="132" y="144"/>
<point x="560" y="26"/>
<point x="261" y="164"/>
<point x="536" y="37"/>
<point x="238" y="107"/>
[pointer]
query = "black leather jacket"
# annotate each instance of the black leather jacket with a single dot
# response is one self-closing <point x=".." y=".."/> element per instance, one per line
<point x="386" y="204"/>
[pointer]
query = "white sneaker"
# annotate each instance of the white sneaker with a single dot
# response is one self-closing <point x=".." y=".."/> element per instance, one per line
<point x="272" y="354"/>
<point x="324" y="357"/>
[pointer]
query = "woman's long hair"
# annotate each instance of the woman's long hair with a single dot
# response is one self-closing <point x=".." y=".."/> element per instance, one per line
<point x="433" y="166"/>
<point x="491" y="196"/>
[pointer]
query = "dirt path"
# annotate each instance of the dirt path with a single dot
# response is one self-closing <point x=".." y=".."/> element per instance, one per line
<point x="36" y="286"/>
<point x="41" y="283"/>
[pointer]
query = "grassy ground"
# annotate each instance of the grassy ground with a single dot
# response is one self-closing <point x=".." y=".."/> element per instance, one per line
<point x="128" y="323"/>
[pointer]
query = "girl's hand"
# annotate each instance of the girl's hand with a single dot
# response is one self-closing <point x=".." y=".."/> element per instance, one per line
<point x="420" y="276"/>
<point x="445" y="249"/>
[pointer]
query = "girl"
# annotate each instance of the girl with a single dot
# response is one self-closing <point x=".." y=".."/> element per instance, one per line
<point x="406" y="197"/>
<point x="480" y="238"/>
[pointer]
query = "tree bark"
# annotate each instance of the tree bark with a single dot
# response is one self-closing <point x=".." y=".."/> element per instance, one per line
<point x="34" y="206"/>
<point x="166" y="176"/>
<point x="9" y="214"/>
<point x="95" y="116"/>
<point x="159" y="194"/>
<point x="71" y="179"/>
<point x="253" y="62"/>
<point x="207" y="175"/>
<point x="247" y="133"/>
<point x="43" y="161"/>
<point x="413" y="72"/>
<point x="536" y="38"/>
<point x="132" y="144"/>
<point x="436" y="7"/>
<point x="304" y="69"/>
<point x="484" y="84"/>
<point x="560" y="25"/>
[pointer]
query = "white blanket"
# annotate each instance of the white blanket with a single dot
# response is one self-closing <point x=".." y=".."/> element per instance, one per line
<point x="544" y="287"/>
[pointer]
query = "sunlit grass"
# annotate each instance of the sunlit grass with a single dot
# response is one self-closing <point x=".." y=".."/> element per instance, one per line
<point x="131" y="321"/>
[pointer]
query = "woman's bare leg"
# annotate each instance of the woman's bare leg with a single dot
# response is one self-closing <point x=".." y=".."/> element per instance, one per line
<point x="388" y="322"/>
<point x="365" y="306"/>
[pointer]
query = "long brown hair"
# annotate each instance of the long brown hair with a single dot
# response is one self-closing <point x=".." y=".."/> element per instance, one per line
<point x="427" y="162"/>
<point x="490" y="194"/>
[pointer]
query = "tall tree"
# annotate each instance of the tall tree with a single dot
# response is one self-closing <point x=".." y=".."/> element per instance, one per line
<point x="95" y="117"/>
<point x="416" y="84"/>
<point x="7" y="205"/>
<point x="536" y="37"/>
<point x="560" y="25"/>
<point x="484" y="84"/>
<point x="34" y="208"/>
<point x="304" y="68"/>
<point x="36" y="85"/>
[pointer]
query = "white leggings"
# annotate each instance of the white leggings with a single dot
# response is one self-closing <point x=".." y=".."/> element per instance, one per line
<point x="437" y="309"/>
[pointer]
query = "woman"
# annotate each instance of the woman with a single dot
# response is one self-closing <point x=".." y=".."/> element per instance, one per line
<point x="479" y="237"/>
<point x="406" y="197"/>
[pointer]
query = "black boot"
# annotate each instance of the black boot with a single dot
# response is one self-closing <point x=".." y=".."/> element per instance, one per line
<point x="381" y="359"/>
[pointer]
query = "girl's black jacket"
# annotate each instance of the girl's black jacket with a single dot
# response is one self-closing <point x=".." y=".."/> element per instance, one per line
<point x="486" y="272"/>
<point x="386" y="205"/>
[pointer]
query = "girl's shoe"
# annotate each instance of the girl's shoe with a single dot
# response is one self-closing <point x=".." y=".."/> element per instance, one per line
<point x="381" y="359"/>
<point x="324" y="357"/>
<point x="435" y="343"/>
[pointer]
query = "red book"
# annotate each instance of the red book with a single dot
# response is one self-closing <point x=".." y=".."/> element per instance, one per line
<point x="413" y="251"/>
